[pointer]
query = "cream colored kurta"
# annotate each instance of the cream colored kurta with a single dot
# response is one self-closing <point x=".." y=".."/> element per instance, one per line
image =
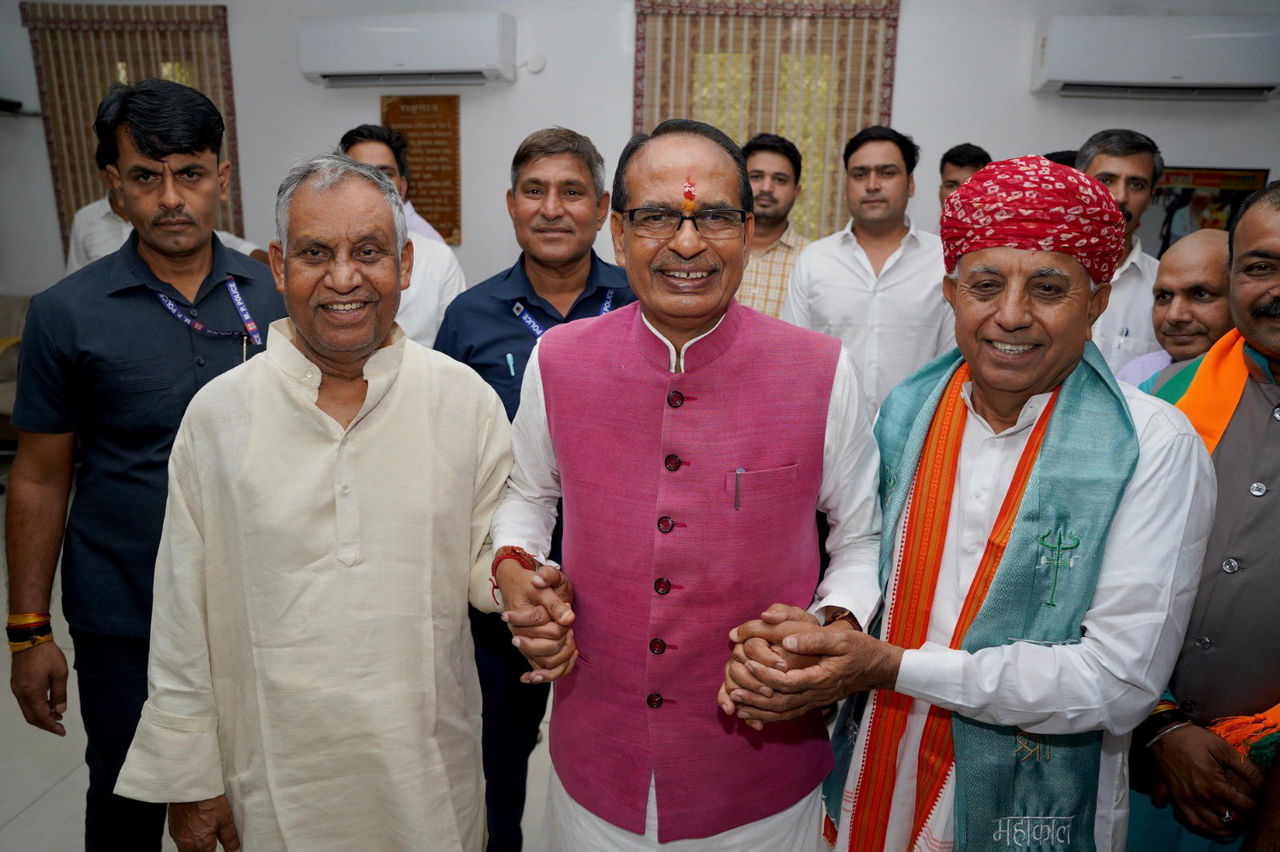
<point x="310" y="651"/>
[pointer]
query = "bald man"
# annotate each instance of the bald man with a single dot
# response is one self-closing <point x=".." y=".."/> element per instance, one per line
<point x="1190" y="311"/>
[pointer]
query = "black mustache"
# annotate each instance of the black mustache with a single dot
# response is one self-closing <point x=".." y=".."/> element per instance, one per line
<point x="1270" y="309"/>
<point x="1128" y="217"/>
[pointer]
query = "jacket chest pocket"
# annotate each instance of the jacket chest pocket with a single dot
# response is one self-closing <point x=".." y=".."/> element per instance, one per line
<point x="748" y="489"/>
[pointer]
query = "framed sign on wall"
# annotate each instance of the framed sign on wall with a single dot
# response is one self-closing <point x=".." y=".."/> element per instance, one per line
<point x="431" y="124"/>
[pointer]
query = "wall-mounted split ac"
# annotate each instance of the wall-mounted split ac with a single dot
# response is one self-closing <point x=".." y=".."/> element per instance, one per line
<point x="426" y="48"/>
<point x="1170" y="57"/>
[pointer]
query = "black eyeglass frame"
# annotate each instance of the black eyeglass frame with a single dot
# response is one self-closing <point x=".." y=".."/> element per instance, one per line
<point x="630" y="216"/>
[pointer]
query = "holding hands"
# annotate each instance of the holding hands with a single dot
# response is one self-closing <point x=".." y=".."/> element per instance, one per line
<point x="785" y="664"/>
<point x="538" y="608"/>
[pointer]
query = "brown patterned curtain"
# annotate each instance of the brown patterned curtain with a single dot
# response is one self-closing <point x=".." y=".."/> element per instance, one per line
<point x="81" y="49"/>
<point x="815" y="72"/>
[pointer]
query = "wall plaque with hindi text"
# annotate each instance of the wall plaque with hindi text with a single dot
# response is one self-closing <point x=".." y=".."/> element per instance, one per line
<point x="430" y="123"/>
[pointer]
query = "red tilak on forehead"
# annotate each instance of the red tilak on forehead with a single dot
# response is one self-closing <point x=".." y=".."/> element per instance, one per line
<point x="690" y="195"/>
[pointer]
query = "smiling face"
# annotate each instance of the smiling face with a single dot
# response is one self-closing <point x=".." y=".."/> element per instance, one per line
<point x="554" y="209"/>
<point x="877" y="185"/>
<point x="1255" y="280"/>
<point x="684" y="283"/>
<point x="1190" y="310"/>
<point x="172" y="202"/>
<point x="340" y="273"/>
<point x="1022" y="320"/>
<point x="773" y="186"/>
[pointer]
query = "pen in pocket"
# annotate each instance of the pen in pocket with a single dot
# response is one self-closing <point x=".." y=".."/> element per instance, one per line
<point x="511" y="364"/>
<point x="737" y="487"/>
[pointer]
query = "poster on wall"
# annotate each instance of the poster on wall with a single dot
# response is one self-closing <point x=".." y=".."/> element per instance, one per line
<point x="1189" y="198"/>
<point x="430" y="123"/>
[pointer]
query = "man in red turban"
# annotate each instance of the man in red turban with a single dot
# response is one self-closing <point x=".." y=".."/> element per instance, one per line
<point x="1043" y="531"/>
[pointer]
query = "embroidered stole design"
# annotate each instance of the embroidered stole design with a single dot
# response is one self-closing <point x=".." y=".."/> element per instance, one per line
<point x="1209" y="391"/>
<point x="923" y="542"/>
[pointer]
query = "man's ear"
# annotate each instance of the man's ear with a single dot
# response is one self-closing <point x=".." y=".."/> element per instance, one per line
<point x="911" y="186"/>
<point x="615" y="228"/>
<point x="602" y="210"/>
<point x="113" y="176"/>
<point x="275" y="258"/>
<point x="406" y="264"/>
<point x="1097" y="304"/>
<point x="511" y="205"/>
<point x="224" y="180"/>
<point x="949" y="287"/>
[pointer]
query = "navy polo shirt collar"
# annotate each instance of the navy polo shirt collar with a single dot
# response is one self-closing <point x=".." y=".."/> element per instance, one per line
<point x="515" y="283"/>
<point x="132" y="271"/>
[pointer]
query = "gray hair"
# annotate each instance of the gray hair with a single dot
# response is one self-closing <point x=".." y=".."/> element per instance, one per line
<point x="559" y="140"/>
<point x="326" y="171"/>
<point x="1121" y="143"/>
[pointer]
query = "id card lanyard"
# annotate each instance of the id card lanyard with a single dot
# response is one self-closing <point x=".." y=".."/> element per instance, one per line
<point x="250" y="332"/>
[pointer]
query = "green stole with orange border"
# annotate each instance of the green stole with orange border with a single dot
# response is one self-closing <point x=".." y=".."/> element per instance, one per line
<point x="1035" y="583"/>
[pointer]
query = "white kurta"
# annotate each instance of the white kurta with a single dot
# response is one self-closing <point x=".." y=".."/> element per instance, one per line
<point x="435" y="282"/>
<point x="1124" y="331"/>
<point x="310" y="648"/>
<point x="1133" y="630"/>
<point x="892" y="323"/>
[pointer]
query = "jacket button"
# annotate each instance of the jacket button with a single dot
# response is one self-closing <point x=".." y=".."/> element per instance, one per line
<point x="654" y="700"/>
<point x="1204" y="643"/>
<point x="1276" y="413"/>
<point x="1257" y="489"/>
<point x="662" y="585"/>
<point x="1230" y="565"/>
<point x="675" y="399"/>
<point x="665" y="524"/>
<point x="672" y="462"/>
<point x="657" y="646"/>
<point x="1187" y="706"/>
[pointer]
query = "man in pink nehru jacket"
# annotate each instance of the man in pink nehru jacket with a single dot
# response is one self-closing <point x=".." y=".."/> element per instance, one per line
<point x="691" y="439"/>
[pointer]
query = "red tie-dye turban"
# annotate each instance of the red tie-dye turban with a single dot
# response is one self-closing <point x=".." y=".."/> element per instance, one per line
<point x="1035" y="204"/>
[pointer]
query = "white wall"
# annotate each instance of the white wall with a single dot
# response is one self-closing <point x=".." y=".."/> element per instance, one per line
<point x="963" y="74"/>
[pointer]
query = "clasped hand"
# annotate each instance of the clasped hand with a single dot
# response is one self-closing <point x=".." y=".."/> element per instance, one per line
<point x="539" y="611"/>
<point x="785" y="664"/>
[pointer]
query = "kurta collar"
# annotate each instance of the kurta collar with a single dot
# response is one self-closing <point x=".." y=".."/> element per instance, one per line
<point x="1026" y="418"/>
<point x="378" y="370"/>
<point x="698" y="352"/>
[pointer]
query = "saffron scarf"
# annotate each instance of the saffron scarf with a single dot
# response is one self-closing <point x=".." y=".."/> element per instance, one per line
<point x="1209" y="389"/>
<point x="1035" y="583"/>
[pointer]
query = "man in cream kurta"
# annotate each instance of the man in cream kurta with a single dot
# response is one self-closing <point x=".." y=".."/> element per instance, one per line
<point x="310" y="650"/>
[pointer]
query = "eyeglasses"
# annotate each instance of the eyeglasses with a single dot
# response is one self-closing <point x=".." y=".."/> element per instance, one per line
<point x="662" y="223"/>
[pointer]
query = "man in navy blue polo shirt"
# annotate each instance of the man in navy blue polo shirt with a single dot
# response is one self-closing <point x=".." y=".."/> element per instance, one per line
<point x="557" y="204"/>
<point x="111" y="356"/>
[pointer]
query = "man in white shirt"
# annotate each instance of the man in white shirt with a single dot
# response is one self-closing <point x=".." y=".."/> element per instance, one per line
<point x="874" y="284"/>
<point x="1129" y="164"/>
<point x="311" y="681"/>
<point x="437" y="276"/>
<point x="1043" y="534"/>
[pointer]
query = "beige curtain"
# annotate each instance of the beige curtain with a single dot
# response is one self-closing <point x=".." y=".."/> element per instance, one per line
<point x="814" y="72"/>
<point x="81" y="49"/>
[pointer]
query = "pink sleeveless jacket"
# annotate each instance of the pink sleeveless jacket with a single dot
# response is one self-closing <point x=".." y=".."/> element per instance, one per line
<point x="669" y="548"/>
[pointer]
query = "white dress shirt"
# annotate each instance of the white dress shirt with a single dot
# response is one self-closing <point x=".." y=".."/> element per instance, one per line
<point x="436" y="281"/>
<point x="892" y="323"/>
<point x="310" y="649"/>
<point x="96" y="231"/>
<point x="1132" y="632"/>
<point x="1124" y="331"/>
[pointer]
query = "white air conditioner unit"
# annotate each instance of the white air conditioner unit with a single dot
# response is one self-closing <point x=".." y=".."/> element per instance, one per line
<point x="425" y="48"/>
<point x="1170" y="57"/>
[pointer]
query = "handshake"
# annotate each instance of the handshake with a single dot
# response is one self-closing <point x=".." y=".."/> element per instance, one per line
<point x="782" y="665"/>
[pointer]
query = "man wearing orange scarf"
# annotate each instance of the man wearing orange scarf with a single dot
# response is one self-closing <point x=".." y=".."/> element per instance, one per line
<point x="1042" y="530"/>
<point x="1209" y="741"/>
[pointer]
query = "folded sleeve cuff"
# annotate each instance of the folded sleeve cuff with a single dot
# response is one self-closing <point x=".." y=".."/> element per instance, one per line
<point x="172" y="759"/>
<point x="932" y="673"/>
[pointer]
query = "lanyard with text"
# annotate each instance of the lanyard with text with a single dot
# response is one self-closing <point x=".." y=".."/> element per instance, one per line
<point x="536" y="329"/>
<point x="250" y="332"/>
